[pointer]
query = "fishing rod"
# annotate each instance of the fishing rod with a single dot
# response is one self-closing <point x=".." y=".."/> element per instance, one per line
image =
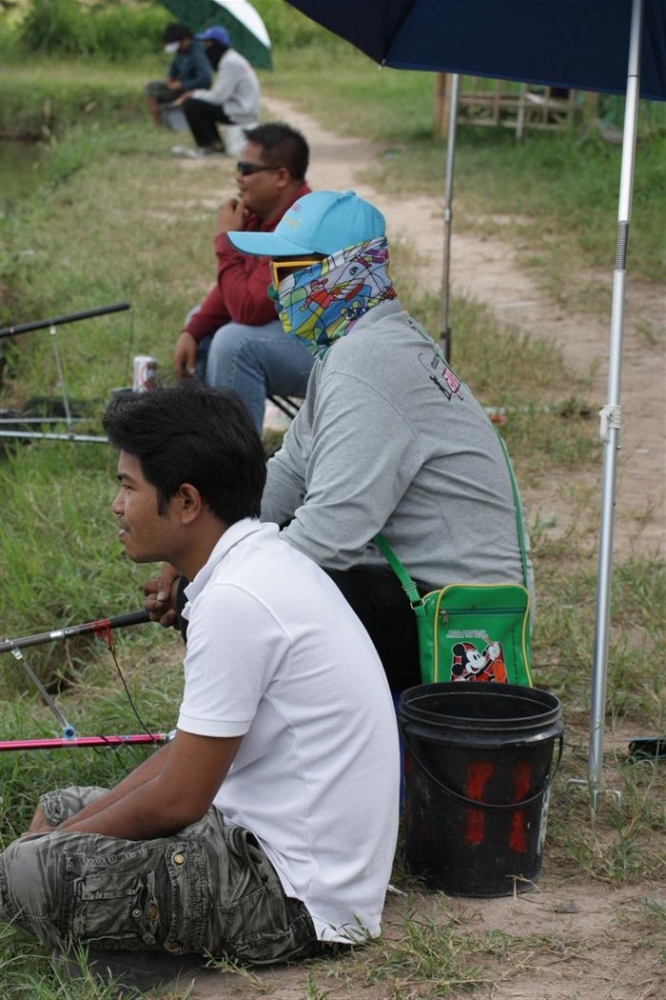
<point x="40" y="324"/>
<point x="86" y="438"/>
<point x="65" y="743"/>
<point x="99" y="627"/>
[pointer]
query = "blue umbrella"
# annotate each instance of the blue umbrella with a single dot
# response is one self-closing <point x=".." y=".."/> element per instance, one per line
<point x="611" y="46"/>
<point x="581" y="44"/>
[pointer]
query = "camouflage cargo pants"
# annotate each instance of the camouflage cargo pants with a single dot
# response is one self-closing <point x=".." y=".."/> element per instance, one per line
<point x="209" y="889"/>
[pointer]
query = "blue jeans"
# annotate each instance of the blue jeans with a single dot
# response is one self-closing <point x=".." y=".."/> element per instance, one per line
<point x="255" y="361"/>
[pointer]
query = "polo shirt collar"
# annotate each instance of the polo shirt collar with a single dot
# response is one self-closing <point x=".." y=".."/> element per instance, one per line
<point x="235" y="534"/>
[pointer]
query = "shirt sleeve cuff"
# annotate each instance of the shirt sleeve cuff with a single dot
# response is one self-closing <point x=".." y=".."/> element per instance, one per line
<point x="212" y="727"/>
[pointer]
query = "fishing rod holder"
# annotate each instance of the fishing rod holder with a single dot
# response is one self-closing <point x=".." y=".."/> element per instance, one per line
<point x="17" y="422"/>
<point x="100" y="628"/>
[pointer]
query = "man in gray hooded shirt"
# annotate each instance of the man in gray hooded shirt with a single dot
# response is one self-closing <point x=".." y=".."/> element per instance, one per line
<point x="389" y="438"/>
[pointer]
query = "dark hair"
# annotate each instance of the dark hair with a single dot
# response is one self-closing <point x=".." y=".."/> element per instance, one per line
<point x="193" y="433"/>
<point x="176" y="33"/>
<point x="282" y="146"/>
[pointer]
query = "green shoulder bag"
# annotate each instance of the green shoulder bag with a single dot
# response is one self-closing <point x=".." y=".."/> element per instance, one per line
<point x="471" y="632"/>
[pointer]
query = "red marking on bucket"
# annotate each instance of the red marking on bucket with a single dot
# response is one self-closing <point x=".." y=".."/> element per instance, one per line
<point x="478" y="773"/>
<point x="521" y="787"/>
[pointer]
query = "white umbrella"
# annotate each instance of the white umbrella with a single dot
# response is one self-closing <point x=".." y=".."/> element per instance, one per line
<point x="248" y="32"/>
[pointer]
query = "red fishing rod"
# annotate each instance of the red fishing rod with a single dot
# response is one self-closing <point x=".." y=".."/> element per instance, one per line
<point x="86" y="741"/>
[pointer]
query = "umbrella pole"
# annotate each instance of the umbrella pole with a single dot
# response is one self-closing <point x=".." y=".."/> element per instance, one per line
<point x="611" y="414"/>
<point x="445" y="336"/>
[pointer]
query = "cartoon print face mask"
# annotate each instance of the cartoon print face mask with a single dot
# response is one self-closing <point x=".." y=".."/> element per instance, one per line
<point x="322" y="302"/>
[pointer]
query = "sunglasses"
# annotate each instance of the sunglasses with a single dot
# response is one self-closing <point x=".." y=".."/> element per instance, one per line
<point x="246" y="168"/>
<point x="279" y="267"/>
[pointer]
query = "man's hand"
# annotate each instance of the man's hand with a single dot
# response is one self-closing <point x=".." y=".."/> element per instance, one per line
<point x="184" y="356"/>
<point x="160" y="594"/>
<point x="231" y="217"/>
<point x="172" y="84"/>
<point x="181" y="100"/>
<point x="39" y="824"/>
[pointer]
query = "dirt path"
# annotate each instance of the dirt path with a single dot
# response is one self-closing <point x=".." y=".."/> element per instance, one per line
<point x="578" y="939"/>
<point x="579" y="944"/>
<point x="486" y="270"/>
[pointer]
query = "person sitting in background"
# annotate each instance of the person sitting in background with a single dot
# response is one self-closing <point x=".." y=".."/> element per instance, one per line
<point x="189" y="70"/>
<point x="233" y="99"/>
<point x="233" y="339"/>
<point x="389" y="439"/>
<point x="265" y="830"/>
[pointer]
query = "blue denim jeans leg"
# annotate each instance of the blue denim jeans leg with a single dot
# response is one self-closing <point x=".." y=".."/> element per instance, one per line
<point x="258" y="361"/>
<point x="201" y="362"/>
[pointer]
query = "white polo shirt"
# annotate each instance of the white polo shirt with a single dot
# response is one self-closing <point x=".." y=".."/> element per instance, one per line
<point x="275" y="654"/>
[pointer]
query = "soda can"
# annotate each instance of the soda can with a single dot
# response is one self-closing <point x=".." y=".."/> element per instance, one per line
<point x="145" y="372"/>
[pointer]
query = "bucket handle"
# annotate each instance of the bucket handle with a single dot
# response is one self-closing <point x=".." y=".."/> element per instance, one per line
<point x="489" y="806"/>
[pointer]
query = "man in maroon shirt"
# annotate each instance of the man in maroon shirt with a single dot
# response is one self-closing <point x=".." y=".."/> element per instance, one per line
<point x="233" y="339"/>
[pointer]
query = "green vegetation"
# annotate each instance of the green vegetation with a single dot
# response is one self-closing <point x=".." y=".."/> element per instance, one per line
<point x="68" y="28"/>
<point x="103" y="217"/>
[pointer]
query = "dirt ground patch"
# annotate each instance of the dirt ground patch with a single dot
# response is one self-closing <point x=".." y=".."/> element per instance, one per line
<point x="568" y="939"/>
<point x="581" y="941"/>
<point x="575" y="945"/>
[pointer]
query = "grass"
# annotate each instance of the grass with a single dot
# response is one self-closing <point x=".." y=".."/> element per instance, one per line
<point x="109" y="219"/>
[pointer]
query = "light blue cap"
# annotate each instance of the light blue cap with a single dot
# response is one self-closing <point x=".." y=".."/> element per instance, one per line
<point x="321" y="222"/>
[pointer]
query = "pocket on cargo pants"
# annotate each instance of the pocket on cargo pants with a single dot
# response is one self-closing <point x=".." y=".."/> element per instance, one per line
<point x="103" y="891"/>
<point x="134" y="898"/>
<point x="253" y="920"/>
<point x="210" y="888"/>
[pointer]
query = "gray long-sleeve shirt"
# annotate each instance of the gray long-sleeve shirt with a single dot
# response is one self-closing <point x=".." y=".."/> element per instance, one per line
<point x="390" y="440"/>
<point x="235" y="88"/>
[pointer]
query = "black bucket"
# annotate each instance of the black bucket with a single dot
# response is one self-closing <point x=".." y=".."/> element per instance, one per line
<point x="478" y="766"/>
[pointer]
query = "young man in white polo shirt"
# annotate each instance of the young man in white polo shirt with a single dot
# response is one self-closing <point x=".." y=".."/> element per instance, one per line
<point x="265" y="830"/>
